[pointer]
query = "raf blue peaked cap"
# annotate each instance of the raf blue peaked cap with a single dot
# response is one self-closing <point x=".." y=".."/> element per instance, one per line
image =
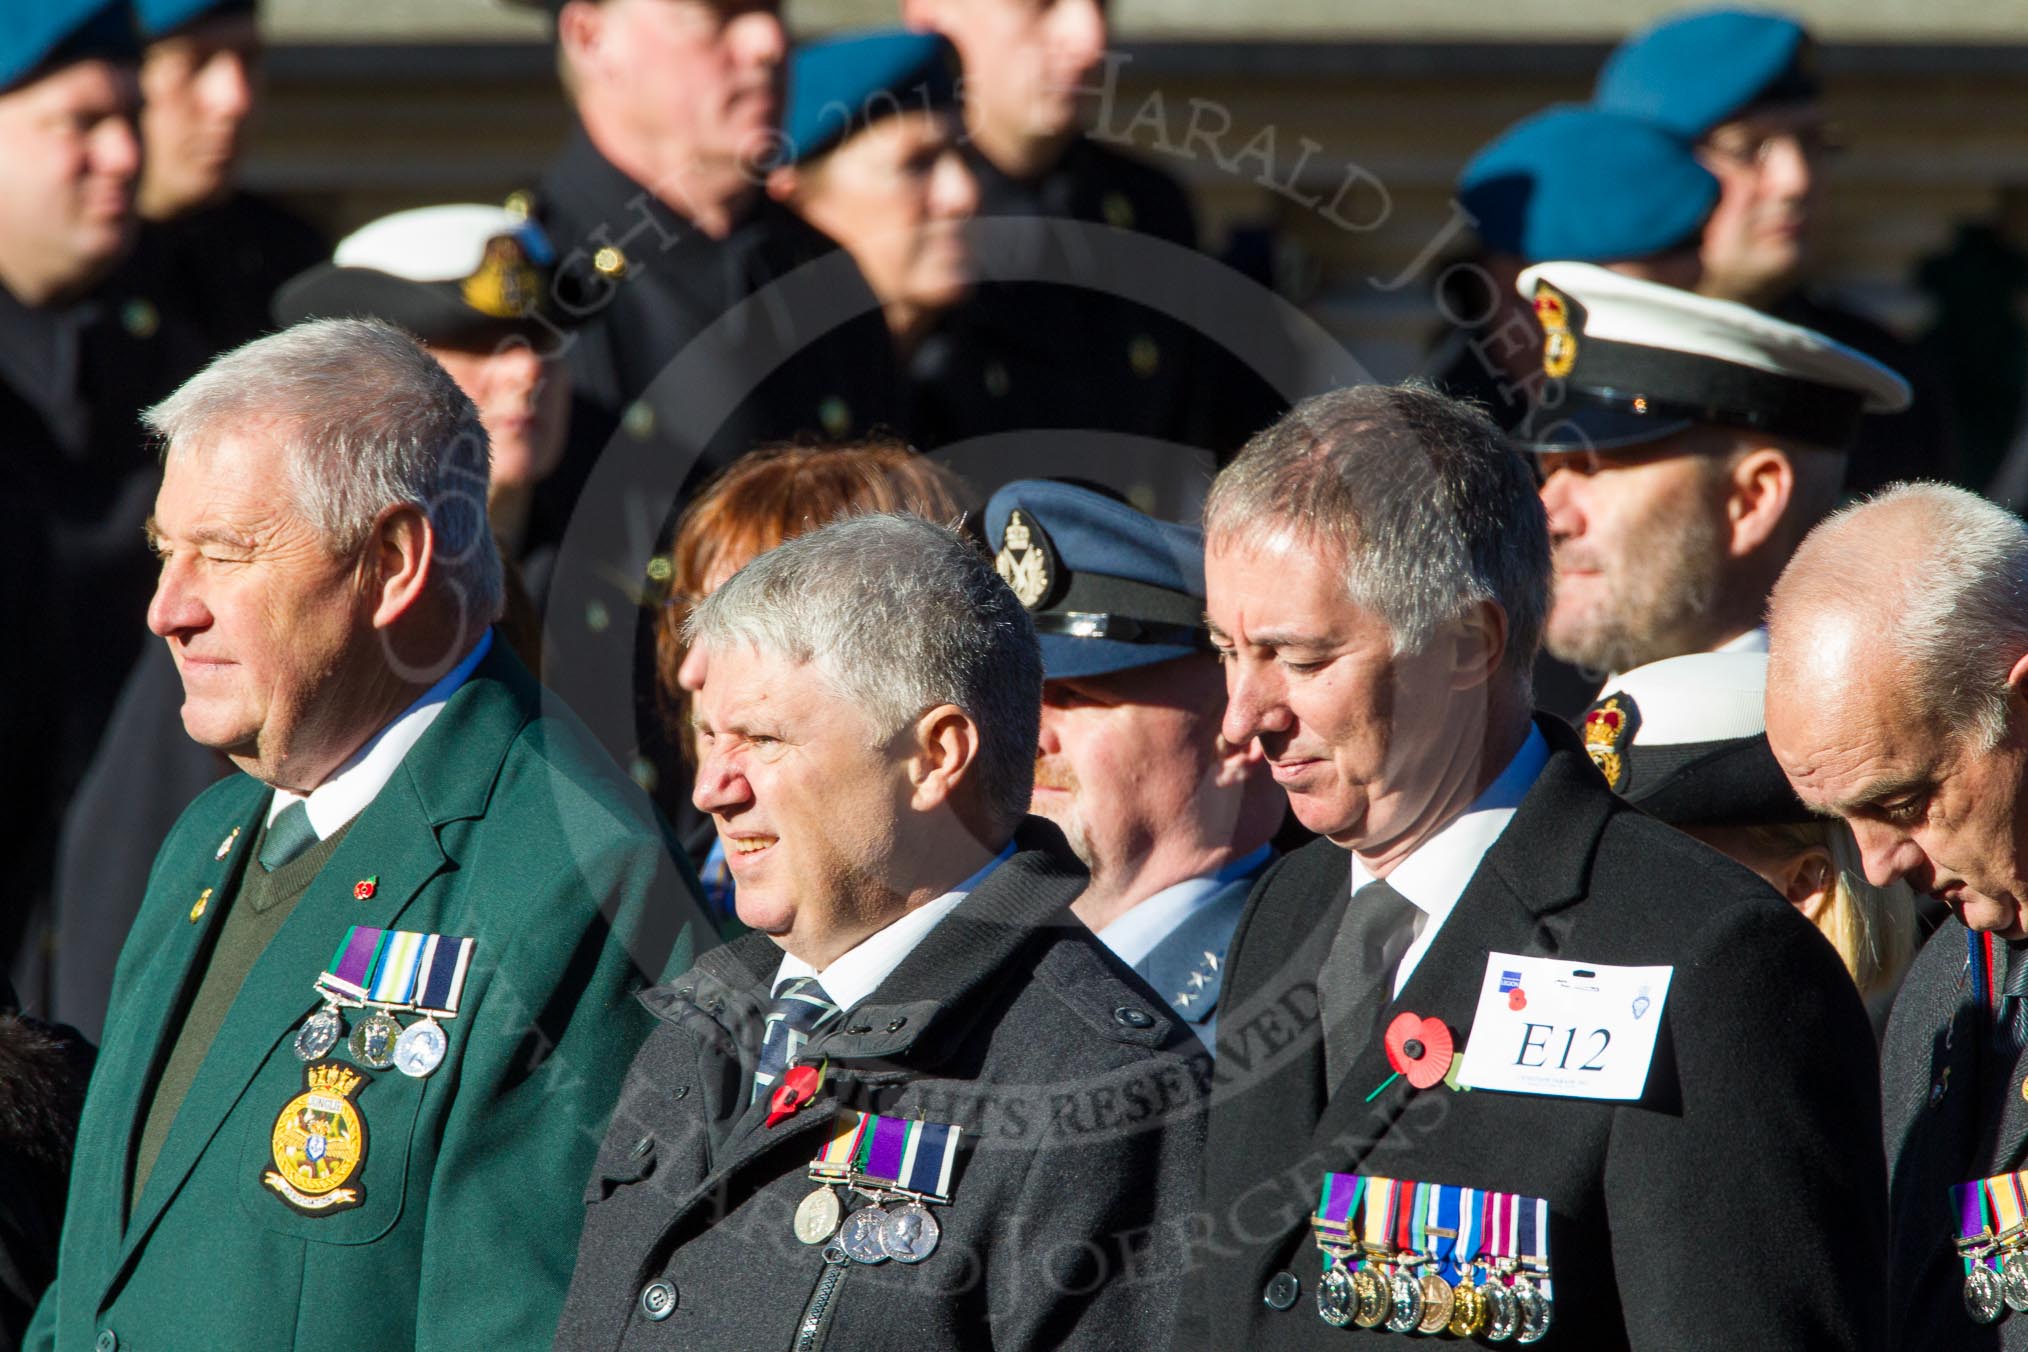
<point x="1577" y="184"/>
<point x="162" y="17"/>
<point x="1692" y="72"/>
<point x="839" y="86"/>
<point x="39" y="35"/>
<point x="1109" y="588"/>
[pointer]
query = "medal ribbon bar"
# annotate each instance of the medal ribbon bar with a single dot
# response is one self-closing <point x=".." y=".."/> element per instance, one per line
<point x="393" y="983"/>
<point x="1378" y="1231"/>
<point x="352" y="965"/>
<point x="1471" y="1226"/>
<point x="1445" y="1204"/>
<point x="445" y="961"/>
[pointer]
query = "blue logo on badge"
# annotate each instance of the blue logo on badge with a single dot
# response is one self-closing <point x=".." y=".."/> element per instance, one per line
<point x="1509" y="981"/>
<point x="314" y="1148"/>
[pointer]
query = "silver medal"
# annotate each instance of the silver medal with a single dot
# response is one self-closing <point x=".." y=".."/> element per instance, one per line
<point x="1503" y="1312"/>
<point x="817" y="1217"/>
<point x="420" y="1048"/>
<point x="910" y="1233"/>
<point x="372" y="1042"/>
<point x="1534" y="1311"/>
<point x="1336" y="1300"/>
<point x="1984" y="1298"/>
<point x="2014" y="1280"/>
<point x="861" y="1236"/>
<point x="319" y="1034"/>
<point x="1404" y="1304"/>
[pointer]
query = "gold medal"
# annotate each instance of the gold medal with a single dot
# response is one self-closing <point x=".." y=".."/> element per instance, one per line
<point x="319" y="1142"/>
<point x="1437" y="1300"/>
<point x="1468" y="1310"/>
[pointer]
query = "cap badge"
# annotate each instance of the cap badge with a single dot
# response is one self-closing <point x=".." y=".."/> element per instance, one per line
<point x="506" y="285"/>
<point x="1559" y="344"/>
<point x="1025" y="561"/>
<point x="1609" y="726"/>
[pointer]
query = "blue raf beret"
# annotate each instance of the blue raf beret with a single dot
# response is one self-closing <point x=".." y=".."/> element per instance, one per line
<point x="1109" y="588"/>
<point x="838" y="86"/>
<point x="1574" y="183"/>
<point x="1695" y="71"/>
<point x="38" y="34"/>
<point x="162" y="17"/>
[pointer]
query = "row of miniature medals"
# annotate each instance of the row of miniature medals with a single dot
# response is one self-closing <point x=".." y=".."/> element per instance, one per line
<point x="1993" y="1242"/>
<point x="883" y="1160"/>
<point x="1430" y="1258"/>
<point x="389" y="972"/>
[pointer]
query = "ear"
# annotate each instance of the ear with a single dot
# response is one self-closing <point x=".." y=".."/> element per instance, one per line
<point x="395" y="567"/>
<point x="920" y="16"/>
<point x="945" y="755"/>
<point x="1809" y="880"/>
<point x="1763" y="484"/>
<point x="579" y="27"/>
<point x="1478" y="642"/>
<point x="784" y="183"/>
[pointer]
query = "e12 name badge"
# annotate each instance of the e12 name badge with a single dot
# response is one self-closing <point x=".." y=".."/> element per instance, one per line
<point x="1567" y="1029"/>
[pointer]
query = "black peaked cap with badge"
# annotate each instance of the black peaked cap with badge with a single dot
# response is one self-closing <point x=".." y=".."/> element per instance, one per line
<point x="1109" y="588"/>
<point x="463" y="275"/>
<point x="1635" y="361"/>
<point x="1685" y="739"/>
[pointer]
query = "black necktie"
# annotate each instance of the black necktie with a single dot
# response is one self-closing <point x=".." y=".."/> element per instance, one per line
<point x="2013" y="1022"/>
<point x="798" y="1010"/>
<point x="1357" y="980"/>
<point x="289" y="834"/>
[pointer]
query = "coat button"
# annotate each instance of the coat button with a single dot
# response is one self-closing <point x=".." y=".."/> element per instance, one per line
<point x="658" y="1300"/>
<point x="1282" y="1290"/>
<point x="108" y="1342"/>
<point x="642" y="1147"/>
<point x="896" y="1025"/>
<point x="1135" y="1018"/>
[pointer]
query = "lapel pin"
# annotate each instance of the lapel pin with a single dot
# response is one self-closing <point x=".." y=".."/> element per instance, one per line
<point x="799" y="1085"/>
<point x="364" y="889"/>
<point x="197" y="910"/>
<point x="1419" y="1049"/>
<point x="225" y="846"/>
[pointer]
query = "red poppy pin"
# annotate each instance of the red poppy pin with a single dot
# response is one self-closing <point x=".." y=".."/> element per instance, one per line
<point x="364" y="889"/>
<point x="1419" y="1048"/>
<point x="798" y="1086"/>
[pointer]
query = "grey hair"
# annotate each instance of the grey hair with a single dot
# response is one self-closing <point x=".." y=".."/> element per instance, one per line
<point x="1430" y="507"/>
<point x="1964" y="606"/>
<point x="899" y="615"/>
<point x="368" y="420"/>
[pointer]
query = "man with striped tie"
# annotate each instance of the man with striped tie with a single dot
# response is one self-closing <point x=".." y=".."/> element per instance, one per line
<point x="922" y="1106"/>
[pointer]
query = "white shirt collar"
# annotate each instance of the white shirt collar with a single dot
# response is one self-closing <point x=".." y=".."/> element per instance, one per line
<point x="1434" y="875"/>
<point x="857" y="973"/>
<point x="1134" y="934"/>
<point x="346" y="792"/>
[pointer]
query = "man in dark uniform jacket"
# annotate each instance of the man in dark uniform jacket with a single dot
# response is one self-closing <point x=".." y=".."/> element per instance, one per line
<point x="918" y="1006"/>
<point x="1484" y="848"/>
<point x="79" y="356"/>
<point x="1068" y="354"/>
<point x="1742" y="87"/>
<point x="1898" y="652"/>
<point x="209" y="252"/>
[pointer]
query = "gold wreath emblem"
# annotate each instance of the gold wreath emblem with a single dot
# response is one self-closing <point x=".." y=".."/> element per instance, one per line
<point x="1559" y="344"/>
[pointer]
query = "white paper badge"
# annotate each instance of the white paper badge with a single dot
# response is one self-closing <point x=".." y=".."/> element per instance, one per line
<point x="1571" y="1029"/>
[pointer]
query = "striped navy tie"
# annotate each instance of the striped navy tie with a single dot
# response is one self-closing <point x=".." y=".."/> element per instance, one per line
<point x="800" y="1008"/>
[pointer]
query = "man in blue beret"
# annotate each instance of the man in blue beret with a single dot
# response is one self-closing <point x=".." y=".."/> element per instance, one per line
<point x="1569" y="183"/>
<point x="1109" y="363"/>
<point x="1742" y="87"/>
<point x="209" y="251"/>
<point x="80" y="354"/>
<point x="1173" y="821"/>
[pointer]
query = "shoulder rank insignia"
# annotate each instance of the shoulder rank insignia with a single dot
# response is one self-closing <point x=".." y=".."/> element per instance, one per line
<point x="1559" y="343"/>
<point x="1027" y="561"/>
<point x="506" y="285"/>
<point x="1609" y="725"/>
<point x="319" y="1142"/>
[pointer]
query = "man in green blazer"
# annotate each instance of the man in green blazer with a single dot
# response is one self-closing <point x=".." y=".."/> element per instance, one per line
<point x="378" y="1002"/>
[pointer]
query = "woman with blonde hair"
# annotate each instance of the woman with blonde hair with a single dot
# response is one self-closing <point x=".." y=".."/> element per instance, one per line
<point x="1685" y="740"/>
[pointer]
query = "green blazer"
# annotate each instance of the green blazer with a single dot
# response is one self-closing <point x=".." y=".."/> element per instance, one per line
<point x="505" y="823"/>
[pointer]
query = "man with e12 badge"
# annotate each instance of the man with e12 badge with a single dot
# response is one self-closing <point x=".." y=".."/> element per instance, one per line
<point x="1556" y="1072"/>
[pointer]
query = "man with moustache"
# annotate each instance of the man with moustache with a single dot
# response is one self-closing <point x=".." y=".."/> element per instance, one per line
<point x="1741" y="86"/>
<point x="1689" y="445"/>
<point x="1897" y="699"/>
<point x="1377" y="570"/>
<point x="1173" y="821"/>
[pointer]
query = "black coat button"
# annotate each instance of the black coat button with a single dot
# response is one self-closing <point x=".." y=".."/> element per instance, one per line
<point x="1134" y="1018"/>
<point x="1282" y="1290"/>
<point x="658" y="1300"/>
<point x="899" y="1021"/>
<point x="642" y="1147"/>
